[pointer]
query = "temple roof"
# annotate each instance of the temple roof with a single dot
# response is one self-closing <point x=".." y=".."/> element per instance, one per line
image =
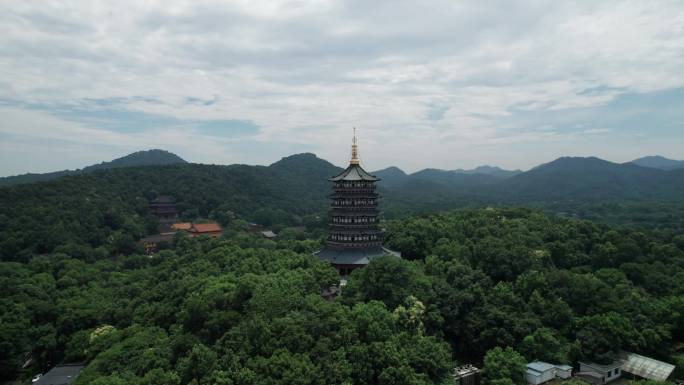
<point x="354" y="173"/>
<point x="353" y="256"/>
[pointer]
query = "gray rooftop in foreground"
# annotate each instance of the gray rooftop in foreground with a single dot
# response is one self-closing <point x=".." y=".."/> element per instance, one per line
<point x="61" y="375"/>
<point x="540" y="366"/>
<point x="602" y="367"/>
<point x="645" y="367"/>
<point x="353" y="256"/>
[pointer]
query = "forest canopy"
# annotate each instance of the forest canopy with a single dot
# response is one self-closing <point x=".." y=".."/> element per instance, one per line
<point x="476" y="286"/>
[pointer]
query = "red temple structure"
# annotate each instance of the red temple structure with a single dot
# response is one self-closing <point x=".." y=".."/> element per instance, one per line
<point x="210" y="229"/>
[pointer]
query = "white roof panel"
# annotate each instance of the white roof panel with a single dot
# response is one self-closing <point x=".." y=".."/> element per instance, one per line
<point x="645" y="367"/>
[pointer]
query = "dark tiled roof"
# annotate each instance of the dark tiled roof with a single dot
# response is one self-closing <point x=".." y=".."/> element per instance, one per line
<point x="354" y="173"/>
<point x="353" y="256"/>
<point x="60" y="375"/>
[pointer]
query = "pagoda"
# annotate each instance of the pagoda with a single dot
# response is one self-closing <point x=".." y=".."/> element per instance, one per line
<point x="354" y="237"/>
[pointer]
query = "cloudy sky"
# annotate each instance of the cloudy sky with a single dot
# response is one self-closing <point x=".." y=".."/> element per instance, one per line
<point x="447" y="84"/>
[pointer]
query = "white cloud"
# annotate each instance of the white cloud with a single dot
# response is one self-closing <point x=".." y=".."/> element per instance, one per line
<point x="306" y="71"/>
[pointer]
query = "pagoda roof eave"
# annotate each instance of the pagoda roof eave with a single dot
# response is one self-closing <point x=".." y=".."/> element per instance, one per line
<point x="354" y="173"/>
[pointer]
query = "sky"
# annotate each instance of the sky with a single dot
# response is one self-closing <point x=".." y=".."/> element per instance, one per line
<point x="443" y="84"/>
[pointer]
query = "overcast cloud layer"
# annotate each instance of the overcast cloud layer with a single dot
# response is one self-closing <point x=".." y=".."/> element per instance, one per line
<point x="444" y="84"/>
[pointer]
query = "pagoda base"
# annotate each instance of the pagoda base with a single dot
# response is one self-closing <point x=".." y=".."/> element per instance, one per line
<point x="346" y="259"/>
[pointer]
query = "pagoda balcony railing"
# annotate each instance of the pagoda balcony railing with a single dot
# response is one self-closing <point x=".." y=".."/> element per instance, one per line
<point x="354" y="224"/>
<point x="352" y="207"/>
<point x="355" y="244"/>
<point x="345" y="194"/>
<point x="354" y="190"/>
<point x="368" y="226"/>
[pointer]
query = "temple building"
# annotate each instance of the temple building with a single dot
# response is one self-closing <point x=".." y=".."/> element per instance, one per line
<point x="354" y="236"/>
<point x="164" y="208"/>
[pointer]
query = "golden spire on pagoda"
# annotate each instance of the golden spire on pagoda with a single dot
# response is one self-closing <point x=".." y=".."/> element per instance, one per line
<point x="355" y="150"/>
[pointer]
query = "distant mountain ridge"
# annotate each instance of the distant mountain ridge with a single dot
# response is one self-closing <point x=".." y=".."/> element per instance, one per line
<point x="394" y="176"/>
<point x="298" y="186"/>
<point x="154" y="157"/>
<point x="576" y="178"/>
<point x="567" y="179"/>
<point x="490" y="170"/>
<point x="659" y="162"/>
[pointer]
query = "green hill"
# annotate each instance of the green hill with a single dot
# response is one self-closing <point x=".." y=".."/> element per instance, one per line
<point x="140" y="158"/>
<point x="110" y="207"/>
<point x="393" y="177"/>
<point x="592" y="179"/>
<point x="564" y="179"/>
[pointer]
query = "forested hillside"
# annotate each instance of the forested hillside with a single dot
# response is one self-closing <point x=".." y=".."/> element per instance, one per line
<point x="564" y="179"/>
<point x="245" y="310"/>
<point x="106" y="211"/>
<point x="588" y="188"/>
<point x="140" y="158"/>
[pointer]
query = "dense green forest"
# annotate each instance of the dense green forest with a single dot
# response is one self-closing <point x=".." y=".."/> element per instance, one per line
<point x="492" y="286"/>
<point x="245" y="310"/>
<point x="109" y="210"/>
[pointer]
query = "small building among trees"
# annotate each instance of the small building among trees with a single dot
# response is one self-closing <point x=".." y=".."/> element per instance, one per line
<point x="645" y="367"/>
<point x="636" y="365"/>
<point x="599" y="374"/>
<point x="467" y="375"/>
<point x="539" y="372"/>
